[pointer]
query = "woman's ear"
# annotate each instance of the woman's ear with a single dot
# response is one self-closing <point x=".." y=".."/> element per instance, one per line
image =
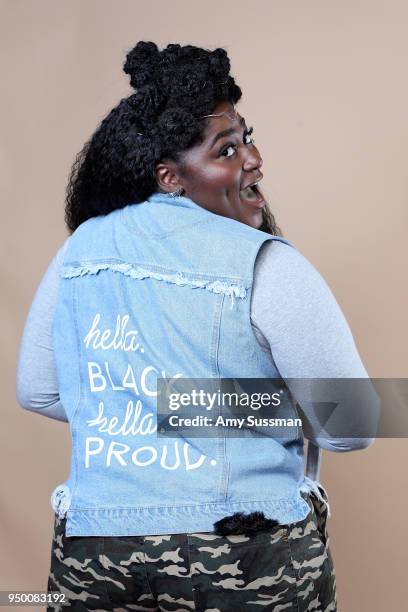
<point x="166" y="177"/>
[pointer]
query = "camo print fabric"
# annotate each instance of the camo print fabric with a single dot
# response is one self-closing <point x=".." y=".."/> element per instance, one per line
<point x="288" y="568"/>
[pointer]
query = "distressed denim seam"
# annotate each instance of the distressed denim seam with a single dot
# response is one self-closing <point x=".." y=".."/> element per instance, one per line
<point x="233" y="290"/>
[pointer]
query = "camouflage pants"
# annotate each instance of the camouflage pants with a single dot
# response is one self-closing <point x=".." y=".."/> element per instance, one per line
<point x="287" y="568"/>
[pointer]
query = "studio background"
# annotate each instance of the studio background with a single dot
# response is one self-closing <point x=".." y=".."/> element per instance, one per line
<point x="326" y="87"/>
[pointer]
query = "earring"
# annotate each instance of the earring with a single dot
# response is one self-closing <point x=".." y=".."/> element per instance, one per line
<point x="177" y="193"/>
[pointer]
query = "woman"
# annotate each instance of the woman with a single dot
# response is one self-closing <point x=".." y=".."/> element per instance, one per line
<point x="175" y="269"/>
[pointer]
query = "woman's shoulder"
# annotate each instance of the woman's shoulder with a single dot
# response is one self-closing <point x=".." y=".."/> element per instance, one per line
<point x="59" y="257"/>
<point x="291" y="293"/>
<point x="281" y="263"/>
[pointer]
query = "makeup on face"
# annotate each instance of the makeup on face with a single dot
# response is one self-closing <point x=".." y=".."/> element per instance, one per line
<point x="222" y="173"/>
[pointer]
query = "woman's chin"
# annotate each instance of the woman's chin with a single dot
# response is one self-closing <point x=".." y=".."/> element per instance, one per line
<point x="255" y="220"/>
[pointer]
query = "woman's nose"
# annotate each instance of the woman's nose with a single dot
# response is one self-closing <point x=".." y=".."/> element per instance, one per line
<point x="252" y="160"/>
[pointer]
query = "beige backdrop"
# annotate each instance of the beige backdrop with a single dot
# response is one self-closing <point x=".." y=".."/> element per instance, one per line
<point x="325" y="85"/>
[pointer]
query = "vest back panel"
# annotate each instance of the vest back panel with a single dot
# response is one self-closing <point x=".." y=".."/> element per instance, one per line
<point x="162" y="289"/>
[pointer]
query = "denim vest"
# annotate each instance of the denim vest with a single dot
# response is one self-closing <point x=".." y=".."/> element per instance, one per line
<point x="162" y="289"/>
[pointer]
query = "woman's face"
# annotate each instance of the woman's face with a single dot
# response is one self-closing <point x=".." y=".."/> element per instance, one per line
<point x="218" y="173"/>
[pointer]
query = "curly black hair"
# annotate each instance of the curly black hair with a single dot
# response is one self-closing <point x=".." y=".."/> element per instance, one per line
<point x="174" y="87"/>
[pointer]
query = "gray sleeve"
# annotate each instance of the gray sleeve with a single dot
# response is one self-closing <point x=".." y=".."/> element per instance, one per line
<point x="36" y="383"/>
<point x="296" y="317"/>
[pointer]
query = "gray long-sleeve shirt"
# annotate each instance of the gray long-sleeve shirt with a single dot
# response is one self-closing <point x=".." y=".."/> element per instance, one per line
<point x="294" y="316"/>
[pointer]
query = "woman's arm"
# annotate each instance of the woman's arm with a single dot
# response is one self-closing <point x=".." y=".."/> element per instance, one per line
<point x="296" y="317"/>
<point x="37" y="385"/>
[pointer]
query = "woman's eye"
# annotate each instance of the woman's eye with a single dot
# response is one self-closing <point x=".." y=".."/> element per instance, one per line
<point x="247" y="136"/>
<point x="229" y="148"/>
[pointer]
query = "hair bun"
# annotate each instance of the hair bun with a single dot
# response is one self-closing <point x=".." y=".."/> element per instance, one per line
<point x="142" y="63"/>
<point x="220" y="64"/>
<point x="147" y="101"/>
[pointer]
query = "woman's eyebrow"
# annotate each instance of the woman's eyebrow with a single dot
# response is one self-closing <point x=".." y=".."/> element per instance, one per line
<point x="226" y="132"/>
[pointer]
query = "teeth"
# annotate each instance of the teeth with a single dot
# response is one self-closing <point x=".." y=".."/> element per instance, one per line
<point x="248" y="193"/>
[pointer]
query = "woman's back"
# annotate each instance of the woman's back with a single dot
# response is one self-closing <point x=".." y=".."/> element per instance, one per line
<point x="135" y="306"/>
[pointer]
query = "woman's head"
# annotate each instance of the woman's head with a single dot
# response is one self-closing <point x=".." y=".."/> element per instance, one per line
<point x="149" y="141"/>
<point x="222" y="171"/>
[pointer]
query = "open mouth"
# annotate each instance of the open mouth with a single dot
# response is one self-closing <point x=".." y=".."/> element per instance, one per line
<point x="253" y="196"/>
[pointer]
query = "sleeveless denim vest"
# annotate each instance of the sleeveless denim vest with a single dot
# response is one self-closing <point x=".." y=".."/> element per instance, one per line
<point x="162" y="289"/>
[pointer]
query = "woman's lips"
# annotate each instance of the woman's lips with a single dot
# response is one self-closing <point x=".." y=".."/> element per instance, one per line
<point x="252" y="196"/>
